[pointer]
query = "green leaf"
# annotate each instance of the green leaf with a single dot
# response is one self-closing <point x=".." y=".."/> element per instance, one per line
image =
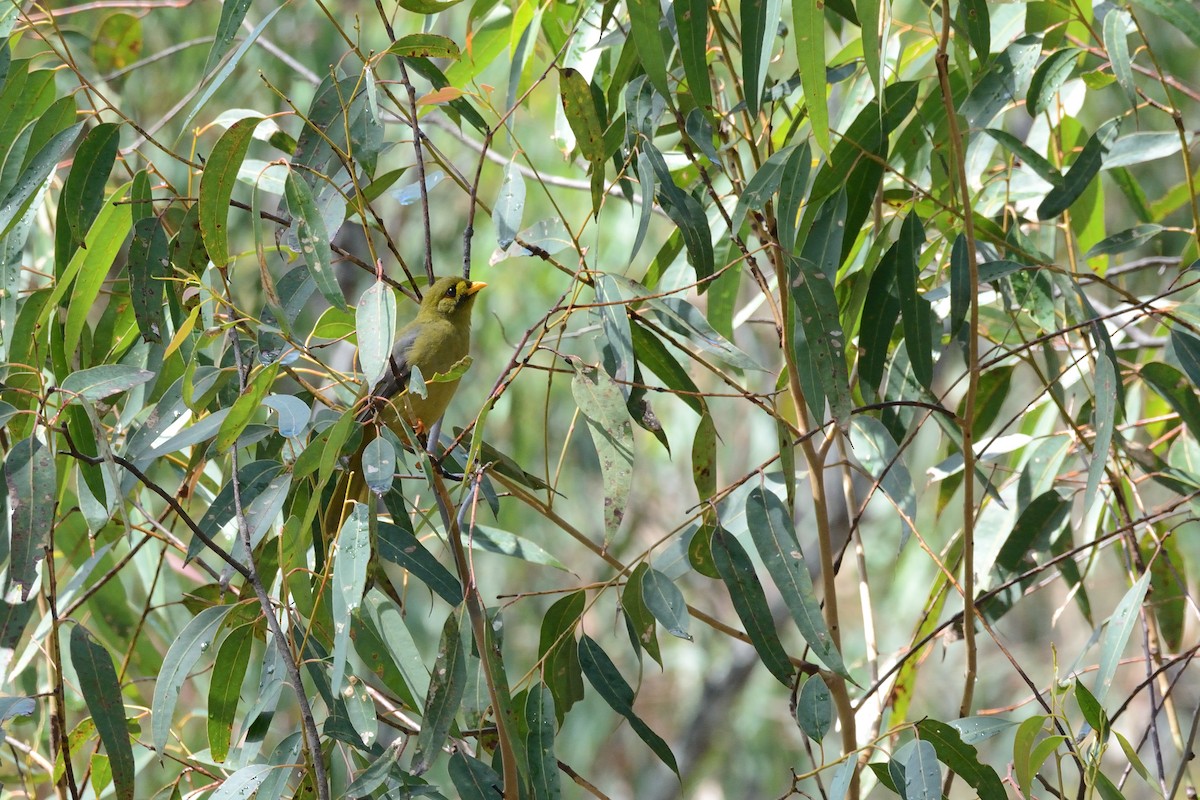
<point x="922" y="773"/>
<point x="808" y="20"/>
<point x="229" y="670"/>
<point x="31" y="481"/>
<point x="760" y="22"/>
<point x="1034" y="529"/>
<point x="1116" y="44"/>
<point x="666" y="603"/>
<point x="811" y="284"/>
<point x="638" y="619"/>
<point x="232" y="14"/>
<point x="1168" y="593"/>
<point x="97" y="383"/>
<point x="83" y="190"/>
<point x="814" y="709"/>
<point x="973" y="15"/>
<point x="644" y="19"/>
<point x="1003" y="83"/>
<point x="1125" y="240"/>
<point x="242" y="783"/>
<point x="379" y="465"/>
<point x="762" y="185"/>
<point x="314" y="240"/>
<point x="874" y="448"/>
<point x="244" y="408"/>
<point x="915" y="311"/>
<point x="193" y="641"/>
<point x="653" y="355"/>
<point x="148" y="269"/>
<point x="510" y="205"/>
<point x="685" y="211"/>
<point x="1081" y="173"/>
<point x="1049" y="78"/>
<point x="216" y="187"/>
<point x="227" y="27"/>
<point x="691" y="25"/>
<point x="1143" y="146"/>
<point x="1183" y="14"/>
<point x="445" y="695"/>
<point x="539" y="743"/>
<point x="30" y="185"/>
<point x="614" y="323"/>
<point x="792" y="187"/>
<point x="424" y="45"/>
<point x="962" y="759"/>
<point x="1116" y="633"/>
<point x="602" y="673"/>
<point x="1032" y="158"/>
<point x="704" y="458"/>
<point x="375" y="323"/>
<point x="558" y="652"/>
<point x="582" y="115"/>
<point x="868" y="13"/>
<point x="1107" y="389"/>
<point x="473" y="779"/>
<point x="101" y="691"/>
<point x="774" y="537"/>
<point x="91" y="263"/>
<point x="400" y="546"/>
<point x="352" y="554"/>
<point x="496" y="540"/>
<point x="603" y="406"/>
<point x="1093" y="712"/>
<point x="750" y="602"/>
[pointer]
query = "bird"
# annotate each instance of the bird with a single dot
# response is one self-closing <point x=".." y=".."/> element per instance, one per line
<point x="434" y="342"/>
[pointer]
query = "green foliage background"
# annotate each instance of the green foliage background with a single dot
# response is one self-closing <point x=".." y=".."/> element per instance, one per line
<point x="830" y="428"/>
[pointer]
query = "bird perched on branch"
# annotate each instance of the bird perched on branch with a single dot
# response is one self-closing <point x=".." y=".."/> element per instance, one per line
<point x="434" y="342"/>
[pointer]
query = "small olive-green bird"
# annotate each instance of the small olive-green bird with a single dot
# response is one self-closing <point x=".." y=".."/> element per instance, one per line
<point x="434" y="342"/>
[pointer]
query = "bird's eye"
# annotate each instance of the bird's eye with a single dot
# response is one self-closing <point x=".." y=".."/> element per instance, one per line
<point x="451" y="291"/>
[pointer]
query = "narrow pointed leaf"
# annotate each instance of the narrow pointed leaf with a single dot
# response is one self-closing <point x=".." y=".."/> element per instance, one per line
<point x="750" y="602"/>
<point x="814" y="709"/>
<point x="603" y="407"/>
<point x="314" y="239"/>
<point x="31" y="479"/>
<point x="233" y="660"/>
<point x="760" y="21"/>
<point x="602" y="673"/>
<point x="774" y="537"/>
<point x="375" y="323"/>
<point x="102" y="691"/>
<point x="1116" y="634"/>
<point x="808" y="20"/>
<point x="400" y="546"/>
<point x="539" y="743"/>
<point x="691" y="23"/>
<point x="193" y="641"/>
<point x="666" y="603"/>
<point x="97" y="383"/>
<point x="445" y="695"/>
<point x="922" y="774"/>
<point x="216" y="187"/>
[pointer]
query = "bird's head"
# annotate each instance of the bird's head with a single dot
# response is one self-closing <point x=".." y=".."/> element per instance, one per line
<point x="451" y="298"/>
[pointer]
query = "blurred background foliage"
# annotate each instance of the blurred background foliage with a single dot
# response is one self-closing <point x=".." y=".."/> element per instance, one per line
<point x="756" y="304"/>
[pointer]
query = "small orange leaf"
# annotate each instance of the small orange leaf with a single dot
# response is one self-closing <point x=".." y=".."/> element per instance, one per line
<point x="444" y="95"/>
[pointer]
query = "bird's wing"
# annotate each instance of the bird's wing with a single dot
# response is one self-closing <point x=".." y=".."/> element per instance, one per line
<point x="395" y="379"/>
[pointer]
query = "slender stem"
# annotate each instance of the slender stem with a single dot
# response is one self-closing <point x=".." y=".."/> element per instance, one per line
<point x="477" y="614"/>
<point x="312" y="739"/>
<point x="968" y="419"/>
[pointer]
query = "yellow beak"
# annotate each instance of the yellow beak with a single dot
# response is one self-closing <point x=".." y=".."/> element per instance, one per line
<point x="475" y="287"/>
